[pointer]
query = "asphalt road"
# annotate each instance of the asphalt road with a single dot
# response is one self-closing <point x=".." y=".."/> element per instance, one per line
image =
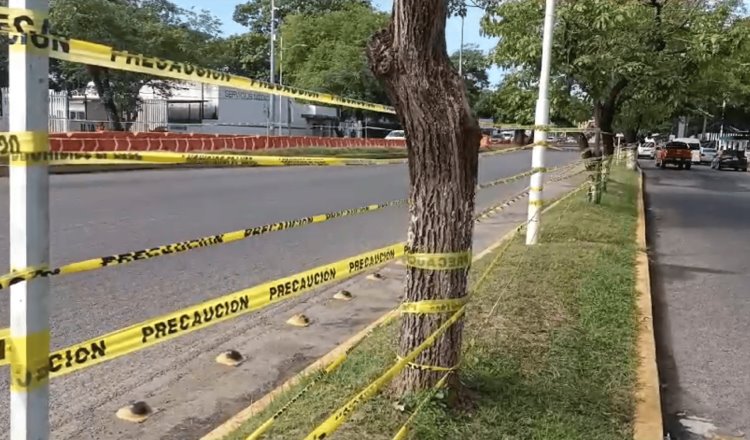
<point x="698" y="239"/>
<point x="105" y="213"/>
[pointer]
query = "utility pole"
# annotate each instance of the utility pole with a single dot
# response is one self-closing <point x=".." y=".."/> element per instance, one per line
<point x="29" y="235"/>
<point x="461" y="50"/>
<point x="721" y="129"/>
<point x="541" y="122"/>
<point x="272" y="101"/>
<point x="281" y="75"/>
<point x="462" y="13"/>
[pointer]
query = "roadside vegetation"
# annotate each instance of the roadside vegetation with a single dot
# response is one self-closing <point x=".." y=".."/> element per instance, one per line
<point x="548" y="347"/>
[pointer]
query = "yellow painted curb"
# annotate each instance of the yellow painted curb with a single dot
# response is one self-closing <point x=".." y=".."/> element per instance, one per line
<point x="236" y="421"/>
<point x="647" y="424"/>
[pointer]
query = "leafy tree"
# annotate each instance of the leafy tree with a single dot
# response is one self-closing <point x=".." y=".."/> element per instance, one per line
<point x="155" y="27"/>
<point x="476" y="77"/>
<point x="245" y="54"/>
<point x="612" y="51"/>
<point x="325" y="52"/>
<point x="515" y="100"/>
<point x="256" y="14"/>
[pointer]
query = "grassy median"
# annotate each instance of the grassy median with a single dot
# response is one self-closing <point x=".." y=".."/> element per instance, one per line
<point x="549" y="344"/>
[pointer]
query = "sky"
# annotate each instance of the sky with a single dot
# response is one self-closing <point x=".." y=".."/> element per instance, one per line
<point x="225" y="8"/>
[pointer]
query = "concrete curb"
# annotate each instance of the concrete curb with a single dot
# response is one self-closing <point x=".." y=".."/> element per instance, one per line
<point x="647" y="422"/>
<point x="236" y="421"/>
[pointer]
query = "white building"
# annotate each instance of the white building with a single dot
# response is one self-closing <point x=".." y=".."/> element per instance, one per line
<point x="193" y="108"/>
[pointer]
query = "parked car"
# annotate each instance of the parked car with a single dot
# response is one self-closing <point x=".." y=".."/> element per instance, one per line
<point x="396" y="135"/>
<point x="674" y="153"/>
<point x="646" y="149"/>
<point x="708" y="151"/>
<point x="730" y="159"/>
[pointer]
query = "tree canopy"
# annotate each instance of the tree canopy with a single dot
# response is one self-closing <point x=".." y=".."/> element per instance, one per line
<point x="475" y="73"/>
<point x="155" y="27"/>
<point x="325" y="52"/>
<point x="618" y="55"/>
<point x="256" y="14"/>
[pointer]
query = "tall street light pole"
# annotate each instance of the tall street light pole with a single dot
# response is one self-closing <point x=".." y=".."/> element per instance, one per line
<point x="281" y="77"/>
<point x="272" y="114"/>
<point x="461" y="49"/>
<point x="462" y="14"/>
<point x="541" y="121"/>
<point x="29" y="237"/>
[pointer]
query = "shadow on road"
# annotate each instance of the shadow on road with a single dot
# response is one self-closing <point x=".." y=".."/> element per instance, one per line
<point x="669" y="378"/>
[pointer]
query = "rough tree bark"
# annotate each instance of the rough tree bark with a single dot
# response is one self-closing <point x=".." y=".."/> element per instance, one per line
<point x="100" y="76"/>
<point x="631" y="135"/>
<point x="411" y="59"/>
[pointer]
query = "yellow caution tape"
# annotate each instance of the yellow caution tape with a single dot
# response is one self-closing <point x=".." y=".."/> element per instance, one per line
<point x="337" y="362"/>
<point x="183" y="246"/>
<point x="332" y="423"/>
<point x="4" y="346"/>
<point x="24" y="147"/>
<point x="196" y="243"/>
<point x="439" y="261"/>
<point x="404" y="431"/>
<point x="421" y="367"/>
<point x="549" y="128"/>
<point x="504" y="180"/>
<point x="171" y="325"/>
<point x="32" y="36"/>
<point x="29" y="367"/>
<point x="163" y="157"/>
<point x="431" y="306"/>
<point x="332" y="367"/>
<point x="23" y="20"/>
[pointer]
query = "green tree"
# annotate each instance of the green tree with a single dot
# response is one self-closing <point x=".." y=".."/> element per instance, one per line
<point x="155" y="27"/>
<point x="244" y="54"/>
<point x="612" y="51"/>
<point x="256" y="14"/>
<point x="326" y="52"/>
<point x="475" y="74"/>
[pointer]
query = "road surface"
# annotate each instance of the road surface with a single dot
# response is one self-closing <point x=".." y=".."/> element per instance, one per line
<point x="699" y="229"/>
<point x="105" y="213"/>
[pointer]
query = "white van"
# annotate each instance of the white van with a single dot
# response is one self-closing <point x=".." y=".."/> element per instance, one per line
<point x="695" y="148"/>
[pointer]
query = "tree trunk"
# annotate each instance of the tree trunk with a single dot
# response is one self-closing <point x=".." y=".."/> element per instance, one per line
<point x="631" y="135"/>
<point x="604" y="115"/>
<point x="519" y="137"/>
<point x="100" y="76"/>
<point x="411" y="59"/>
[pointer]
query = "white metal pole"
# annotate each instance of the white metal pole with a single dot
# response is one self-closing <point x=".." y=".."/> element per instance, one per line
<point x="461" y="49"/>
<point x="281" y="76"/>
<point x="29" y="238"/>
<point x="541" y="120"/>
<point x="272" y="100"/>
<point x="721" y="129"/>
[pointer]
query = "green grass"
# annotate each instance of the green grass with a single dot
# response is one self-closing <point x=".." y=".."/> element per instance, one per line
<point x="549" y="343"/>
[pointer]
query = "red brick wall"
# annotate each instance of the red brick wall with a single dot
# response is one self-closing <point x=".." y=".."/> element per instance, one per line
<point x="126" y="141"/>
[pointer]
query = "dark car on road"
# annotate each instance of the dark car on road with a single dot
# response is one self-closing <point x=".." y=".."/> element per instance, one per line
<point x="735" y="159"/>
